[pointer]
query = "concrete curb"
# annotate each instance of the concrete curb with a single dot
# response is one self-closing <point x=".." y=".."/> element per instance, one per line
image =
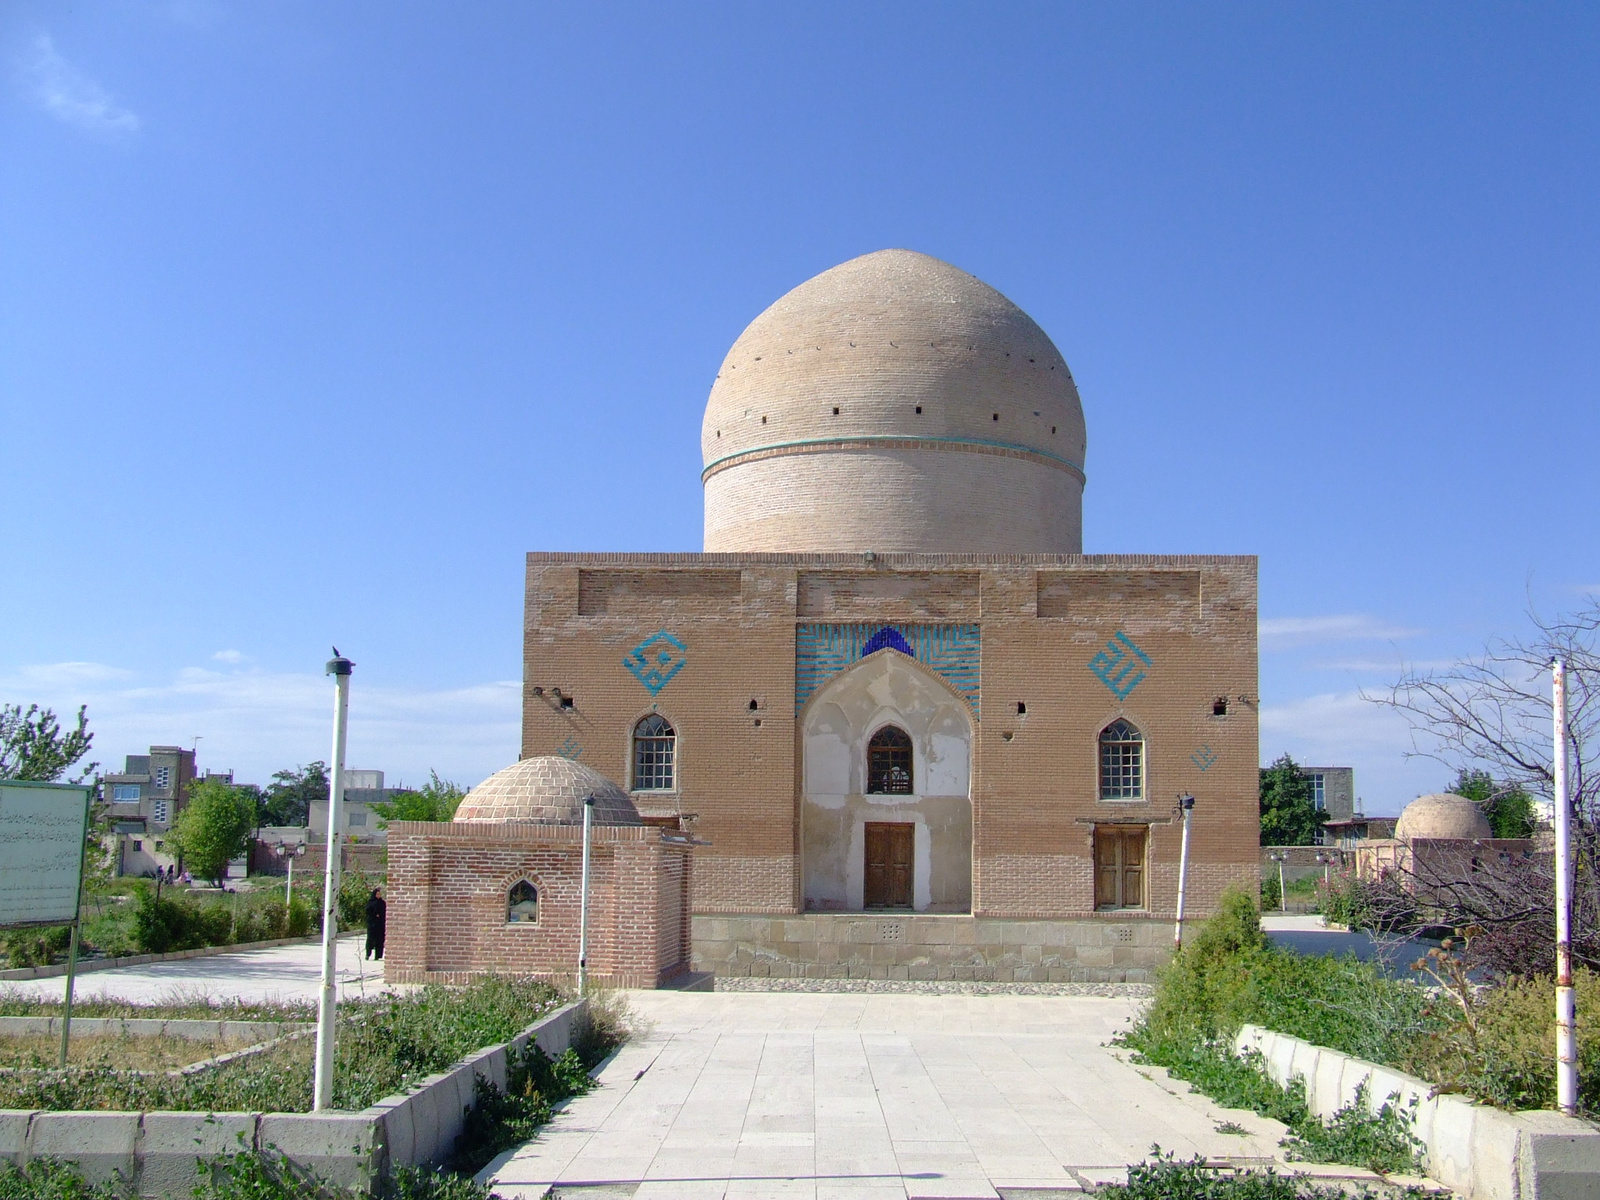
<point x="158" y="1152"/>
<point x="1481" y="1153"/>
<point x="86" y="965"/>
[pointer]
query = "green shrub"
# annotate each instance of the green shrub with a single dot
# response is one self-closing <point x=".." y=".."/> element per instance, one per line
<point x="1380" y="1141"/>
<point x="501" y="1120"/>
<point x="1501" y="1049"/>
<point x="1271" y="897"/>
<point x="1165" y="1177"/>
<point x="38" y="947"/>
<point x="46" y="1179"/>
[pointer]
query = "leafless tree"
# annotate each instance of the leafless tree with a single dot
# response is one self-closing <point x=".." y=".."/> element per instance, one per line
<point x="1493" y="711"/>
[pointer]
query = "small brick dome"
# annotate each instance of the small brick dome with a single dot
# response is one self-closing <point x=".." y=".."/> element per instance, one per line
<point x="1442" y="815"/>
<point x="547" y="791"/>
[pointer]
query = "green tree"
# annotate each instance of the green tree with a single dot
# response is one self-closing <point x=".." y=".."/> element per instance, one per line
<point x="287" y="800"/>
<point x="214" y="827"/>
<point x="437" y="800"/>
<point x="1507" y="806"/>
<point x="32" y="746"/>
<point x="1289" y="815"/>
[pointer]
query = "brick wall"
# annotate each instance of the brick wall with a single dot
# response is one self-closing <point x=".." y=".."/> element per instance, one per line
<point x="448" y="889"/>
<point x="1043" y="619"/>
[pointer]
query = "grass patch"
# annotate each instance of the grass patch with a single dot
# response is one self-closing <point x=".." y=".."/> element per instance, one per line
<point x="179" y="1004"/>
<point x="125" y="1052"/>
<point x="384" y="1045"/>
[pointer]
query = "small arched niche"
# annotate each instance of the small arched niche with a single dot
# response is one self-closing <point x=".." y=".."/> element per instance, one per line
<point x="522" y="904"/>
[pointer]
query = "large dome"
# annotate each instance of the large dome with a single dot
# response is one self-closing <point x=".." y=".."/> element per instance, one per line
<point x="894" y="403"/>
<point x="547" y="791"/>
<point x="1442" y="815"/>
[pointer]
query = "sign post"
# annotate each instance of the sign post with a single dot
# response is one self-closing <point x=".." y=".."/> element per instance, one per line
<point x="44" y="834"/>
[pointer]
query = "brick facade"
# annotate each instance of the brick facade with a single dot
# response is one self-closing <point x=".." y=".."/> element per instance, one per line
<point x="1046" y="628"/>
<point x="448" y="887"/>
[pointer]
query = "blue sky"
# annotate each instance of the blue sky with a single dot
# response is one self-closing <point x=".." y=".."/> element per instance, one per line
<point x="314" y="318"/>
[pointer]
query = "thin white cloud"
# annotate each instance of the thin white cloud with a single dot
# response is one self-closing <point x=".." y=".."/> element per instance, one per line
<point x="257" y="722"/>
<point x="69" y="95"/>
<point x="228" y="656"/>
<point x="1389" y="667"/>
<point x="1283" y="633"/>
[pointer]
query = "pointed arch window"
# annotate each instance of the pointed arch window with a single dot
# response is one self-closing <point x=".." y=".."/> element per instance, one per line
<point x="889" y="762"/>
<point x="655" y="751"/>
<point x="1121" y="762"/>
<point x="522" y="904"/>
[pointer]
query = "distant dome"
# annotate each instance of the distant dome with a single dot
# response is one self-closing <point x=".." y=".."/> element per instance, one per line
<point x="1442" y="815"/>
<point x="547" y="791"/>
<point x="894" y="403"/>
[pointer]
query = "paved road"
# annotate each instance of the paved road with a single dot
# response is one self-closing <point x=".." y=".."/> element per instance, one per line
<point x="281" y="973"/>
<point x="1306" y="934"/>
<point x="867" y="1097"/>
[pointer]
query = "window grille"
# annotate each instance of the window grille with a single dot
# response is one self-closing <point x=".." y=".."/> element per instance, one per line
<point x="654" y="754"/>
<point x="889" y="762"/>
<point x="1121" y="762"/>
<point x="158" y="812"/>
<point x="1119" y="866"/>
<point x="522" y="905"/>
<point x="163" y="778"/>
<point x="125" y="793"/>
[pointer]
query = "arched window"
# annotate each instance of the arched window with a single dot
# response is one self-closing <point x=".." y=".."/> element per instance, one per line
<point x="522" y="905"/>
<point x="1121" y="762"/>
<point x="654" y="752"/>
<point x="889" y="762"/>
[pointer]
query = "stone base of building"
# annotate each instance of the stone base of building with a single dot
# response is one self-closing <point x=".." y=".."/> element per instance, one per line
<point x="1110" y="949"/>
<point x="680" y="978"/>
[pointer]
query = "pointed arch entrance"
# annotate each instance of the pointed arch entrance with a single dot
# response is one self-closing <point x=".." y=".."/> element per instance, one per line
<point x="886" y="809"/>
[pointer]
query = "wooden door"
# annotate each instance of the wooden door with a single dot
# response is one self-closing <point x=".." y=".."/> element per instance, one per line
<point x="888" y="867"/>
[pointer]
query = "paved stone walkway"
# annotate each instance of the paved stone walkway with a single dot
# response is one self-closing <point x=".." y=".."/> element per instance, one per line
<point x="845" y="1096"/>
<point x="278" y="973"/>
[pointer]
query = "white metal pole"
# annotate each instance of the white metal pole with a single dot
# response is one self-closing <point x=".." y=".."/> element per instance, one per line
<point x="1283" y="896"/>
<point x="288" y="888"/>
<point x="1566" y="1002"/>
<point x="583" y="899"/>
<point x="328" y="1002"/>
<point x="1186" y="804"/>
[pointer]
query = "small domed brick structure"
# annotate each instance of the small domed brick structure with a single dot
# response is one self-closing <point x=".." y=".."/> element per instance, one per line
<point x="498" y="889"/>
<point x="1442" y="816"/>
<point x="548" y="790"/>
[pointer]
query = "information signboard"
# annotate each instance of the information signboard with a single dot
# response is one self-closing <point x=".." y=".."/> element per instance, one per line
<point x="42" y="830"/>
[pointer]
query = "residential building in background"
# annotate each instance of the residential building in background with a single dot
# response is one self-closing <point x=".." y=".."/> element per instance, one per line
<point x="143" y="800"/>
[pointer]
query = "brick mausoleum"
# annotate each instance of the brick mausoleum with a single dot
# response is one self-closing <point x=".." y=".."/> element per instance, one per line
<point x="924" y="735"/>
<point x="497" y="890"/>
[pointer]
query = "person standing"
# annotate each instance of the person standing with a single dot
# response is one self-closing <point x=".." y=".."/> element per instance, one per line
<point x="377" y="918"/>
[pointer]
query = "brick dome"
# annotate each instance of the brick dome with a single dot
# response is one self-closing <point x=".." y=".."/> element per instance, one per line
<point x="1442" y="815"/>
<point x="547" y="791"/>
<point x="894" y="403"/>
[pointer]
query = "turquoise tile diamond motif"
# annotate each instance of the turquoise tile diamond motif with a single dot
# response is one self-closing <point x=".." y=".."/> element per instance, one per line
<point x="822" y="651"/>
<point x="570" y="749"/>
<point x="656" y="660"/>
<point x="1205" y="758"/>
<point x="1121" y="665"/>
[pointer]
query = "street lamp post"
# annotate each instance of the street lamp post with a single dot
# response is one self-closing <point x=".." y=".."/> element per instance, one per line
<point x="1278" y="856"/>
<point x="328" y="1001"/>
<point x="583" y="900"/>
<point x="1186" y="807"/>
<point x="289" y="851"/>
